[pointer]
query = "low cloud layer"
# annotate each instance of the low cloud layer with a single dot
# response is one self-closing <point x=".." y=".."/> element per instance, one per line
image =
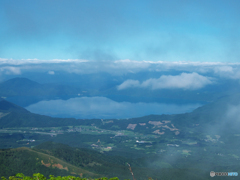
<point x="231" y="72"/>
<point x="233" y="114"/>
<point x="183" y="81"/>
<point x="51" y="72"/>
<point x="195" y="76"/>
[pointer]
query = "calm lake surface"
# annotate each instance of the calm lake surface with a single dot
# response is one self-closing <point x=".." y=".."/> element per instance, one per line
<point x="105" y="108"/>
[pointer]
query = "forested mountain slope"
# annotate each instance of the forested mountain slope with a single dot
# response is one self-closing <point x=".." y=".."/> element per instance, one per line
<point x="61" y="160"/>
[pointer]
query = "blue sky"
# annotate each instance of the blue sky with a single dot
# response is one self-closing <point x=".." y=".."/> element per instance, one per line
<point x="184" y="30"/>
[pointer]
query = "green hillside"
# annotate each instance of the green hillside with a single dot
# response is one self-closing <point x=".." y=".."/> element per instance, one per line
<point x="84" y="163"/>
<point x="39" y="176"/>
<point x="29" y="161"/>
<point x="6" y="107"/>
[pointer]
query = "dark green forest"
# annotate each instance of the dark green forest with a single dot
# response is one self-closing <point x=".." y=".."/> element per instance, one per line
<point x="28" y="162"/>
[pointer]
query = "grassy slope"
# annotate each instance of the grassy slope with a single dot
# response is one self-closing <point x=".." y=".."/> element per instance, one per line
<point x="29" y="161"/>
<point x="116" y="166"/>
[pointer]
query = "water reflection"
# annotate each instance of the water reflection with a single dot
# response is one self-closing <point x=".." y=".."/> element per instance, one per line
<point x="102" y="107"/>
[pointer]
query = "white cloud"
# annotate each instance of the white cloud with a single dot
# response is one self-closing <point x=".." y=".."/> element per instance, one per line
<point x="120" y="67"/>
<point x="128" y="84"/>
<point x="182" y="81"/>
<point x="223" y="69"/>
<point x="51" y="72"/>
<point x="10" y="70"/>
<point x="233" y="113"/>
<point x="227" y="71"/>
<point x="38" y="61"/>
<point x="131" y="64"/>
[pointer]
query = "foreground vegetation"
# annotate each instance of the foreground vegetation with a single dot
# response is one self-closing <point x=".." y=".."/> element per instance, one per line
<point x="38" y="176"/>
<point x="61" y="160"/>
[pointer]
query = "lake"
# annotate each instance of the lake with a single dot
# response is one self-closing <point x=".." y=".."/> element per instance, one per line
<point x="105" y="108"/>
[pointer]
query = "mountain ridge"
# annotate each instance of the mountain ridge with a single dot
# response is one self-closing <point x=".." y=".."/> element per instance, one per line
<point x="6" y="106"/>
<point x="23" y="91"/>
<point x="41" y="162"/>
<point x="29" y="161"/>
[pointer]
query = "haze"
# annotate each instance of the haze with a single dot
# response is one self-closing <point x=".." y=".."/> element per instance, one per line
<point x="151" y="79"/>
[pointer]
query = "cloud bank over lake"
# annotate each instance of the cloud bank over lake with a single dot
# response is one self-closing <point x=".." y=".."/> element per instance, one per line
<point x="102" y="107"/>
<point x="182" y="81"/>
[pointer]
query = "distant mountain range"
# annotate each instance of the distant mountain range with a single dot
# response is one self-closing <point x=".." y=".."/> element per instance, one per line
<point x="26" y="87"/>
<point x="24" y="92"/>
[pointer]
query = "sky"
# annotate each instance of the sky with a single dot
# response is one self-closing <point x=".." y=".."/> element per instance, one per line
<point x="111" y="30"/>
